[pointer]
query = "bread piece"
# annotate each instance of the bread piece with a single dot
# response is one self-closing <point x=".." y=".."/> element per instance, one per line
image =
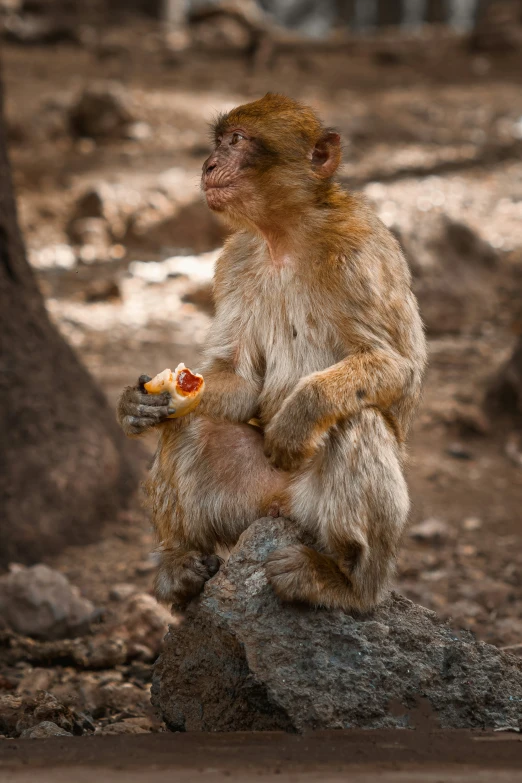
<point x="184" y="387"/>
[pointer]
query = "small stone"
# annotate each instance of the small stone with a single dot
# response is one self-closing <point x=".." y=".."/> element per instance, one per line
<point x="123" y="727"/>
<point x="459" y="451"/>
<point x="139" y="131"/>
<point x="102" y="291"/>
<point x="472" y="523"/>
<point x="122" y="591"/>
<point x="45" y="708"/>
<point x="121" y="697"/>
<point x="43" y="730"/>
<point x="143" y="623"/>
<point x="432" y="529"/>
<point x="467" y="550"/>
<point x="146" y="567"/>
<point x="465" y="610"/>
<point x="10" y="712"/>
<point x="89" y="231"/>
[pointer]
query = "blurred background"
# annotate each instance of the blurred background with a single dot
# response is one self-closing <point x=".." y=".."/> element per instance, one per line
<point x="107" y="107"/>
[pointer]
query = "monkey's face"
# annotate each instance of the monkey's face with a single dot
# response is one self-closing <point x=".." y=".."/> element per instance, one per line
<point x="225" y="180"/>
<point x="270" y="157"/>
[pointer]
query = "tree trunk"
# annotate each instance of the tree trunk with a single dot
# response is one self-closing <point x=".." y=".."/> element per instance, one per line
<point x="63" y="469"/>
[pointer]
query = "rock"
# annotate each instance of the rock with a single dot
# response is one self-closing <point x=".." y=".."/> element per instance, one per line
<point x="101" y="213"/>
<point x="497" y="29"/>
<point x="35" y="30"/>
<point x="142" y="624"/>
<point x="101" y="290"/>
<point x="145" y="567"/>
<point x="459" y="451"/>
<point x="467" y="418"/>
<point x="202" y="296"/>
<point x="127" y="726"/>
<point x="242" y="660"/>
<point x="46" y="708"/>
<point x="455" y="274"/>
<point x="90" y="231"/>
<point x="10" y="711"/>
<point x="432" y="530"/>
<point x="102" y="111"/>
<point x="34" y="680"/>
<point x="103" y="650"/>
<point x="122" y="697"/>
<point x="191" y="226"/>
<point x="45" y="729"/>
<point x="89" y="205"/>
<point x="139" y="131"/>
<point x="231" y="26"/>
<point x="40" y="602"/>
<point x="472" y="523"/>
<point x="122" y="591"/>
<point x="168" y="213"/>
<point x="464" y="611"/>
<point x="513" y="450"/>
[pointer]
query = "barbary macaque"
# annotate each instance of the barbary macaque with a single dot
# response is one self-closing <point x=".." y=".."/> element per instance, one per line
<point x="317" y="337"/>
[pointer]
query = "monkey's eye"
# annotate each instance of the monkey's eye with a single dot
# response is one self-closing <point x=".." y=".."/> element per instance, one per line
<point x="236" y="137"/>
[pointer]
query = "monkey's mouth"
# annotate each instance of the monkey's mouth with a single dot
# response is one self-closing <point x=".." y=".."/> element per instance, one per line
<point x="210" y="186"/>
<point x="218" y="196"/>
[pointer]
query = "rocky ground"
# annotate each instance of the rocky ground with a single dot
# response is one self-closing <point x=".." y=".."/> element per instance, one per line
<point x="107" y="138"/>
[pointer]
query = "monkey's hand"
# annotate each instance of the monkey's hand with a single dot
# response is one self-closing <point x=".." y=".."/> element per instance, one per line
<point x="138" y="411"/>
<point x="292" y="435"/>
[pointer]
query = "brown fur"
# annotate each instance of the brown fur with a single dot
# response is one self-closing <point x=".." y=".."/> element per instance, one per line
<point x="317" y="335"/>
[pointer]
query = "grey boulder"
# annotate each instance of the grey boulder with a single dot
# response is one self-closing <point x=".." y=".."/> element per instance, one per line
<point x="40" y="602"/>
<point x="242" y="660"/>
<point x="44" y="730"/>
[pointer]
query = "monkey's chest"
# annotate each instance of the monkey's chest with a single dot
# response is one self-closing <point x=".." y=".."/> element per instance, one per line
<point x="295" y="338"/>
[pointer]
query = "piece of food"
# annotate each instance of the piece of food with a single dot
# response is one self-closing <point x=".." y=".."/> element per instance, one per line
<point x="185" y="388"/>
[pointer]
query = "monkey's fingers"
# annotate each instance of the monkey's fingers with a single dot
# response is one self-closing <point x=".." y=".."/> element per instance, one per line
<point x="154" y="412"/>
<point x="142" y="380"/>
<point x="150" y="400"/>
<point x="136" y="425"/>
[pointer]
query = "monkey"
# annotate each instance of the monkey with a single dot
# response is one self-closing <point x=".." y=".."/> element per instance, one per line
<point x="317" y="336"/>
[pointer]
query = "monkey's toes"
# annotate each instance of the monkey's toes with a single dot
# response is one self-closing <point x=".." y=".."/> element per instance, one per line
<point x="212" y="564"/>
<point x="286" y="571"/>
<point x="287" y="559"/>
<point x="202" y="566"/>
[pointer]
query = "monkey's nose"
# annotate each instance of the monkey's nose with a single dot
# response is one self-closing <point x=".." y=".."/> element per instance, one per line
<point x="210" y="167"/>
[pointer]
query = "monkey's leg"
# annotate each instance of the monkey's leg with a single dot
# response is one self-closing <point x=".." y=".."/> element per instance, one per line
<point x="209" y="481"/>
<point x="354" y="498"/>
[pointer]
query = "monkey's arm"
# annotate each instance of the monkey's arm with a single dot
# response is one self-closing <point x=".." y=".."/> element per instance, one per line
<point x="228" y="394"/>
<point x="368" y="377"/>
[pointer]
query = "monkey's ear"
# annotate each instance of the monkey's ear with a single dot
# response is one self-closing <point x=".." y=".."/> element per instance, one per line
<point x="327" y="154"/>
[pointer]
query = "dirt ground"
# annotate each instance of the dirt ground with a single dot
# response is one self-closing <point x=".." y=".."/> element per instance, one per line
<point x="432" y="131"/>
<point x="358" y="756"/>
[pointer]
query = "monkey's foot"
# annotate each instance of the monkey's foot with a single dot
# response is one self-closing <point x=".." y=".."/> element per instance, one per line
<point x="288" y="571"/>
<point x="299" y="573"/>
<point x="181" y="576"/>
